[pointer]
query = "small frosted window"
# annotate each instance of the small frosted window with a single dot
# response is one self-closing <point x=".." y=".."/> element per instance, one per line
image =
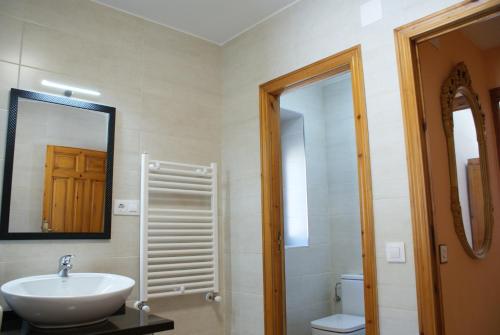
<point x="294" y="181"/>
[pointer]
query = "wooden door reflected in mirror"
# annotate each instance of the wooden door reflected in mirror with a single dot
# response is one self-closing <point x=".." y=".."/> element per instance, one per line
<point x="495" y="108"/>
<point x="476" y="203"/>
<point x="74" y="185"/>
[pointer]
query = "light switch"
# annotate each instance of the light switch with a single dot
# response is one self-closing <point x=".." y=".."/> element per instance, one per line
<point x="126" y="207"/>
<point x="443" y="253"/>
<point x="395" y="252"/>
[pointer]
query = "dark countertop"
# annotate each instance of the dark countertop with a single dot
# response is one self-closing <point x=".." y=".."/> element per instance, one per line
<point x="128" y="321"/>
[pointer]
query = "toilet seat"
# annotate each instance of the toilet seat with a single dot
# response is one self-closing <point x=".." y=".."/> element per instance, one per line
<point x="340" y="323"/>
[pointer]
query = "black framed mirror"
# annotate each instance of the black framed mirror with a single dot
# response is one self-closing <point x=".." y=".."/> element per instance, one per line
<point x="58" y="170"/>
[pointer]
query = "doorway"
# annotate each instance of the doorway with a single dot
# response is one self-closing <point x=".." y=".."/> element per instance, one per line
<point x="284" y="137"/>
<point x="453" y="165"/>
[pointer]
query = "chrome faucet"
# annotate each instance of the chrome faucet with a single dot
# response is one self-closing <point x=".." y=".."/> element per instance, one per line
<point x="65" y="265"/>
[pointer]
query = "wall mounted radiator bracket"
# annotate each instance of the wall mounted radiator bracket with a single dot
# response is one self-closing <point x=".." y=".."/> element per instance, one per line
<point x="179" y="245"/>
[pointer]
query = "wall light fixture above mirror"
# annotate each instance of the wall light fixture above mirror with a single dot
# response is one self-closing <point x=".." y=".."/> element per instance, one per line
<point x="68" y="90"/>
<point x="58" y="171"/>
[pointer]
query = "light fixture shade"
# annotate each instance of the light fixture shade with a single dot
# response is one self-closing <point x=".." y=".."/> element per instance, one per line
<point x="64" y="87"/>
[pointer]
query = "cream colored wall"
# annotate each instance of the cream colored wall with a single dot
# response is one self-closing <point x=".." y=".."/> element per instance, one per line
<point x="166" y="88"/>
<point x="308" y="31"/>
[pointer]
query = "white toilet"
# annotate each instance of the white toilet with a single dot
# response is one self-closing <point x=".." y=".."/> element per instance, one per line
<point x="352" y="319"/>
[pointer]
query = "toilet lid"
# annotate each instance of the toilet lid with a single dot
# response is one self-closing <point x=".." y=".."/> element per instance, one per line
<point x="340" y="323"/>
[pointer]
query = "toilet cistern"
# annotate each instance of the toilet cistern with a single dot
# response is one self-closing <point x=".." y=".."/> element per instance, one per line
<point x="351" y="321"/>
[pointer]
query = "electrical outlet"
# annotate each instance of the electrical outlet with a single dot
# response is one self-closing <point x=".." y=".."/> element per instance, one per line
<point x="126" y="207"/>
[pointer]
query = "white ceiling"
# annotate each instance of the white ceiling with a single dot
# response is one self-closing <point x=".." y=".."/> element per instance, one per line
<point x="217" y="21"/>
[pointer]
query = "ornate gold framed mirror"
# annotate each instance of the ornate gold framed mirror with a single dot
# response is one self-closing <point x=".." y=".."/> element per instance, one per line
<point x="464" y="126"/>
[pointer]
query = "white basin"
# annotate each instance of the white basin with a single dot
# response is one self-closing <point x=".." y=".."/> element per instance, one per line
<point x="80" y="298"/>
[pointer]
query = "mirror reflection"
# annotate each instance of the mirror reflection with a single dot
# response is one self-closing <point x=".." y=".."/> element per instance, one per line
<point x="470" y="189"/>
<point x="59" y="169"/>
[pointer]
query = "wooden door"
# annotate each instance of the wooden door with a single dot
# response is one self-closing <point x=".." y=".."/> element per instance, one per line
<point x="469" y="293"/>
<point x="476" y="202"/>
<point x="73" y="198"/>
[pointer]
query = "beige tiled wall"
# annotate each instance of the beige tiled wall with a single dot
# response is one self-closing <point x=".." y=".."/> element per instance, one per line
<point x="166" y="88"/>
<point x="333" y="202"/>
<point x="343" y="195"/>
<point x="306" y="32"/>
<point x="308" y="270"/>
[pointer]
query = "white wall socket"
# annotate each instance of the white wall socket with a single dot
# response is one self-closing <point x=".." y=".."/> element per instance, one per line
<point x="126" y="207"/>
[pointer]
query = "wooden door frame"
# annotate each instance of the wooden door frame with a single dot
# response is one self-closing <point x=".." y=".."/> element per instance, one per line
<point x="426" y="261"/>
<point x="272" y="220"/>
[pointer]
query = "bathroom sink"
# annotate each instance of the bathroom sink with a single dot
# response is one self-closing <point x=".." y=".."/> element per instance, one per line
<point x="81" y="298"/>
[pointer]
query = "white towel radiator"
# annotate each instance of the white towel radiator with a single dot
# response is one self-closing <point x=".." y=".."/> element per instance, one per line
<point x="179" y="230"/>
